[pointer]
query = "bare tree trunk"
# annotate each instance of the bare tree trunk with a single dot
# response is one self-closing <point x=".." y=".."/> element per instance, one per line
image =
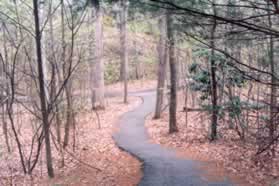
<point x="173" y="78"/>
<point x="4" y="84"/>
<point x="139" y="68"/>
<point x="10" y="76"/>
<point x="230" y="94"/>
<point x="63" y="59"/>
<point x="97" y="71"/>
<point x="68" y="87"/>
<point x="124" y="53"/>
<point x="56" y="107"/>
<point x="55" y="75"/>
<point x="4" y="122"/>
<point x="44" y="112"/>
<point x="186" y="105"/>
<point x="69" y="113"/>
<point x="42" y="5"/>
<point x="214" y="119"/>
<point x="5" y="129"/>
<point x="273" y="91"/>
<point x="162" y="50"/>
<point x="138" y="63"/>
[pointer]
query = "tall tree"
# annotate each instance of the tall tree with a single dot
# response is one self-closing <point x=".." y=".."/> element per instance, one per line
<point x="43" y="14"/>
<point x="124" y="52"/>
<point x="162" y="51"/>
<point x="66" y="63"/>
<point x="214" y="98"/>
<point x="173" y="78"/>
<point x="273" y="91"/>
<point x="97" y="68"/>
<point x="43" y="101"/>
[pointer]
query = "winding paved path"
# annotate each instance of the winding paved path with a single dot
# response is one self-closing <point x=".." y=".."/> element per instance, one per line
<point x="161" y="166"/>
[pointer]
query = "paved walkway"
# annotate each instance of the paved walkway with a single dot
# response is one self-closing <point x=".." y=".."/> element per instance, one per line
<point x="161" y="166"/>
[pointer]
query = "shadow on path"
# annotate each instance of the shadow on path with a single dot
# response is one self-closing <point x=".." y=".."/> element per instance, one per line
<point x="161" y="166"/>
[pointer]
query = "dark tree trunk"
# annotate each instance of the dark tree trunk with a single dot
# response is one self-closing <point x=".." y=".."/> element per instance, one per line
<point x="44" y="112"/>
<point x="214" y="98"/>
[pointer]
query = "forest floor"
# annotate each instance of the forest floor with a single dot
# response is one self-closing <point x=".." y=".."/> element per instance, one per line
<point x="96" y="159"/>
<point x="229" y="155"/>
<point x="100" y="162"/>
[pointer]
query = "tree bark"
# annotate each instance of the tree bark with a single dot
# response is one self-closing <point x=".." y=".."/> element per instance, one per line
<point x="124" y="52"/>
<point x="67" y="63"/>
<point x="44" y="41"/>
<point x="4" y="84"/>
<point x="173" y="78"/>
<point x="97" y="71"/>
<point x="44" y="112"/>
<point x="273" y="91"/>
<point x="162" y="51"/>
<point x="214" y="119"/>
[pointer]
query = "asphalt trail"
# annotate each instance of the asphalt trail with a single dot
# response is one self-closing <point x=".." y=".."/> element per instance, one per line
<point x="161" y="166"/>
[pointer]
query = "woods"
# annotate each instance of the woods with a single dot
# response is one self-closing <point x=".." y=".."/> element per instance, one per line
<point x="212" y="66"/>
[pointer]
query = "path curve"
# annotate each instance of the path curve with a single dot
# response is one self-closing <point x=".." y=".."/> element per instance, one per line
<point x="161" y="166"/>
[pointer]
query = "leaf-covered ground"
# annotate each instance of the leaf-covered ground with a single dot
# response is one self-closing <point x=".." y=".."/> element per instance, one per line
<point x="228" y="156"/>
<point x="96" y="159"/>
<point x="98" y="150"/>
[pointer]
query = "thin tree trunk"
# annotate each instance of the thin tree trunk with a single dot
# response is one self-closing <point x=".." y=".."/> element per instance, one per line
<point x="230" y="94"/>
<point x="214" y="119"/>
<point x="10" y="76"/>
<point x="273" y="99"/>
<point x="3" y="77"/>
<point x="186" y="105"/>
<point x="139" y="68"/>
<point x="124" y="52"/>
<point x="138" y="63"/>
<point x="44" y="112"/>
<point x="68" y="87"/>
<point x="5" y="129"/>
<point x="69" y="114"/>
<point x="55" y="76"/>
